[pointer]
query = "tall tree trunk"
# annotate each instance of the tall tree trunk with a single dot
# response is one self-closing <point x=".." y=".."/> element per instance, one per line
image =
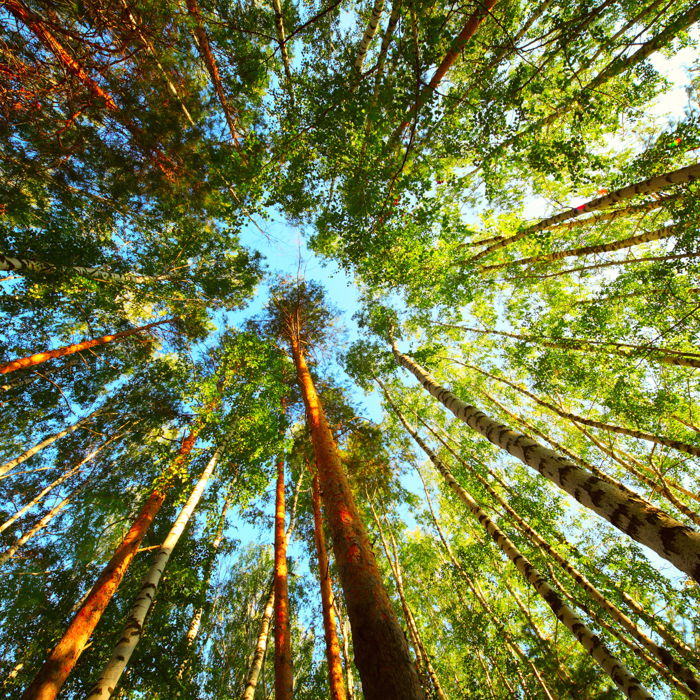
<point x="11" y="464"/>
<point x="619" y="429"/>
<point x="284" y="689"/>
<point x="539" y="542"/>
<point x="629" y="242"/>
<point x="335" y="666"/>
<point x="40" y="357"/>
<point x="259" y="654"/>
<point x="650" y="526"/>
<point x="649" y="186"/>
<point x="38" y="27"/>
<point x="62" y="659"/>
<point x="39" y="525"/>
<point x="395" y="566"/>
<point x="212" y="68"/>
<point x="367" y="37"/>
<point x="17" y="264"/>
<point x="57" y="482"/>
<point x="381" y="651"/>
<point x="468" y="31"/>
<point x="624" y="680"/>
<point x="648" y="352"/>
<point x="133" y="630"/>
<point x="282" y="43"/>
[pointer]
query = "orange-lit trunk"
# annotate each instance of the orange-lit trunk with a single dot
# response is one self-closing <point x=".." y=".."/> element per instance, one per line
<point x="335" y="666"/>
<point x="381" y="652"/>
<point x="40" y="357"/>
<point x="61" y="661"/>
<point x="38" y="28"/>
<point x="283" y="642"/>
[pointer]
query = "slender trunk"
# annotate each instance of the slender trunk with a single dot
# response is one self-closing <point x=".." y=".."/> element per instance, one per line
<point x="40" y="357"/>
<point x="650" y="526"/>
<point x="620" y="430"/>
<point x="468" y="31"/>
<point x="539" y="542"/>
<point x="133" y="630"/>
<point x="624" y="680"/>
<point x="622" y="244"/>
<point x="256" y="664"/>
<point x="283" y="644"/>
<point x="196" y="622"/>
<point x="62" y="659"/>
<point x="661" y="355"/>
<point x="282" y="43"/>
<point x="39" y="526"/>
<point x="212" y="68"/>
<point x="489" y="682"/>
<point x="4" y="468"/>
<point x="395" y="566"/>
<point x="370" y="31"/>
<point x="349" y="680"/>
<point x="649" y="186"/>
<point x="335" y="667"/>
<point x="38" y="27"/>
<point x="610" y="263"/>
<point x="381" y="651"/>
<point x="17" y="264"/>
<point x="260" y="646"/>
<point x="57" y="482"/>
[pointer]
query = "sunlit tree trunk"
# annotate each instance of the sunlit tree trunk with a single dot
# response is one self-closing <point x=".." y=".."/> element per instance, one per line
<point x="17" y="264"/>
<point x="629" y="242"/>
<point x="381" y="651"/>
<point x="282" y="43"/>
<point x="395" y="566"/>
<point x="666" y="536"/>
<point x="212" y="68"/>
<point x="662" y="654"/>
<point x="40" y="357"/>
<point x="370" y="31"/>
<point x="133" y="630"/>
<point x="39" y="28"/>
<point x="649" y="186"/>
<point x="283" y="644"/>
<point x="11" y="464"/>
<point x="619" y="429"/>
<point x="624" y="680"/>
<point x="473" y="23"/>
<point x="335" y="666"/>
<point x="647" y="352"/>
<point x="62" y="659"/>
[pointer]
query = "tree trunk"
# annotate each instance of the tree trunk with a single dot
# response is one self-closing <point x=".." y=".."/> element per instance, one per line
<point x="661" y="355"/>
<point x="620" y="430"/>
<point x="630" y="242"/>
<point x="447" y="62"/>
<point x="283" y="644"/>
<point x="381" y="651"/>
<point x="370" y="31"/>
<point x="282" y="43"/>
<point x="395" y="566"/>
<point x="539" y="542"/>
<point x="212" y="68"/>
<point x="650" y="526"/>
<point x="335" y="667"/>
<point x="38" y="27"/>
<point x="133" y="630"/>
<point x="57" y="482"/>
<point x="653" y="184"/>
<point x="16" y="264"/>
<point x="62" y="659"/>
<point x="624" y="680"/>
<point x="46" y="442"/>
<point x="40" y="357"/>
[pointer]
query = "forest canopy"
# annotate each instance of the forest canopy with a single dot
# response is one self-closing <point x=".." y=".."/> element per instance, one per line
<point x="350" y="349"/>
